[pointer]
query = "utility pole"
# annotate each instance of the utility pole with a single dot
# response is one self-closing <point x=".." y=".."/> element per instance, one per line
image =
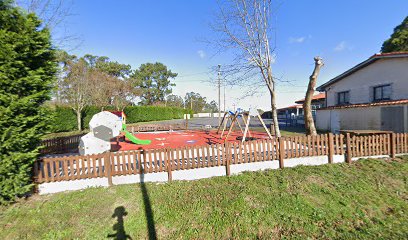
<point x="219" y="94"/>
<point x="225" y="104"/>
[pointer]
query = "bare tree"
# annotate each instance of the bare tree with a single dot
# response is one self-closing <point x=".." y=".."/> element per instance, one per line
<point x="76" y="88"/>
<point x="54" y="15"/>
<point x="104" y="84"/>
<point x="245" y="26"/>
<point x="123" y="93"/>
<point x="307" y="105"/>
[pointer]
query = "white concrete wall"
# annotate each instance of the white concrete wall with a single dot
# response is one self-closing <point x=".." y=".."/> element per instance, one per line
<point x="207" y="115"/>
<point x="368" y="118"/>
<point x="364" y="118"/>
<point x="323" y="120"/>
<point x="392" y="71"/>
<point x="191" y="174"/>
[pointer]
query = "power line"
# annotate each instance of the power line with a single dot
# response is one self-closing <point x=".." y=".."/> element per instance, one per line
<point x="193" y="74"/>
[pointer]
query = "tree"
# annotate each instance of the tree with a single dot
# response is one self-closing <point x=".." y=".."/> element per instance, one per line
<point x="55" y="16"/>
<point x="77" y="86"/>
<point x="195" y="101"/>
<point x="111" y="68"/>
<point x="245" y="28"/>
<point x="122" y="93"/>
<point x="27" y="74"/>
<point x="307" y="105"/>
<point x="153" y="79"/>
<point x="62" y="58"/>
<point x="103" y="85"/>
<point x="174" y="101"/>
<point x="211" y="107"/>
<point x="398" y="42"/>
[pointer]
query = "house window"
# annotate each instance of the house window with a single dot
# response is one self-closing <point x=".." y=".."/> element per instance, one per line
<point x="382" y="92"/>
<point x="343" y="98"/>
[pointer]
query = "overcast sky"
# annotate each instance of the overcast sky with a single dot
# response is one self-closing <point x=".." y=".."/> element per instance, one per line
<point x="343" y="33"/>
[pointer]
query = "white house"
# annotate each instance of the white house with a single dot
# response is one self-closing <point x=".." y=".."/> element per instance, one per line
<point x="372" y="95"/>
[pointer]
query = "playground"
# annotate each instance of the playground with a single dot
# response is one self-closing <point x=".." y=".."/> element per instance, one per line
<point x="175" y="139"/>
<point x="109" y="132"/>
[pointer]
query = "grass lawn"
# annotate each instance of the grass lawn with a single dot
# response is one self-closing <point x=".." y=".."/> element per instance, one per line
<point x="367" y="199"/>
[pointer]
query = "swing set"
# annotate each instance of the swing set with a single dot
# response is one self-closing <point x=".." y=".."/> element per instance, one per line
<point x="233" y="119"/>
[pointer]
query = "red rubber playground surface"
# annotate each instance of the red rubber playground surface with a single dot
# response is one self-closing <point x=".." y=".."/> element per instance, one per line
<point x="181" y="138"/>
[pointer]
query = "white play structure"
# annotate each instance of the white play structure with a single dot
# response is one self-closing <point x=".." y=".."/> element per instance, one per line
<point x="103" y="127"/>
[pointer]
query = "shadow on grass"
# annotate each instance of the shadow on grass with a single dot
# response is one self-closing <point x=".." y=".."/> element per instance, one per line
<point x="151" y="228"/>
<point x="120" y="234"/>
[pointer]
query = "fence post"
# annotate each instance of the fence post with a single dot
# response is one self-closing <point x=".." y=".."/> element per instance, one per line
<point x="168" y="162"/>
<point x="281" y="151"/>
<point x="108" y="173"/>
<point x="392" y="145"/>
<point x="348" y="148"/>
<point x="36" y="176"/>
<point x="227" y="159"/>
<point x="331" y="147"/>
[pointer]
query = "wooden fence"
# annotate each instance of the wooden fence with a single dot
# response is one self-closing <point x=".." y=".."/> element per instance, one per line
<point x="167" y="160"/>
<point x="60" y="144"/>
<point x="155" y="127"/>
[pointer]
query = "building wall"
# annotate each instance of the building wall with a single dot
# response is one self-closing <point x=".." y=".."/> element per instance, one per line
<point x="392" y="71"/>
<point x="323" y="120"/>
<point x="365" y="118"/>
<point x="360" y="118"/>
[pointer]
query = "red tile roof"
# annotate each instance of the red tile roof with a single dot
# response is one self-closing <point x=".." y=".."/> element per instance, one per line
<point x="318" y="96"/>
<point x="374" y="104"/>
<point x="389" y="54"/>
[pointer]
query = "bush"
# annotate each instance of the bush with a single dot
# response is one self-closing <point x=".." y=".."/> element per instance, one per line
<point x="64" y="118"/>
<point x="27" y="72"/>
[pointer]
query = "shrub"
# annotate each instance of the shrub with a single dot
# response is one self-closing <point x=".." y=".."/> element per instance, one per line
<point x="27" y="72"/>
<point x="64" y="118"/>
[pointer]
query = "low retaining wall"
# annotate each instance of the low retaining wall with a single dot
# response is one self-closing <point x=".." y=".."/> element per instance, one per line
<point x="63" y="173"/>
<point x="190" y="174"/>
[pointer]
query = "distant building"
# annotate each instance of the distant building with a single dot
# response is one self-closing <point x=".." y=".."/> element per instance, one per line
<point x="372" y="95"/>
<point x="293" y="114"/>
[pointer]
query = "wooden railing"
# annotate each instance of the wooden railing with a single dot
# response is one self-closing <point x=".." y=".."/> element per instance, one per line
<point x="167" y="160"/>
<point x="60" y="144"/>
<point x="155" y="127"/>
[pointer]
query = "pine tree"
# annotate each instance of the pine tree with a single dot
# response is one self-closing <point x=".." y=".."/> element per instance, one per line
<point x="398" y="42"/>
<point x="27" y="72"/>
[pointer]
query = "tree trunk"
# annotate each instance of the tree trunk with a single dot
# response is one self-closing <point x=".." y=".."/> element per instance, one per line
<point x="79" y="121"/>
<point x="307" y="105"/>
<point x="274" y="112"/>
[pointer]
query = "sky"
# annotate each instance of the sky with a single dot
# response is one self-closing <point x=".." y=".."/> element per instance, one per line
<point x="343" y="33"/>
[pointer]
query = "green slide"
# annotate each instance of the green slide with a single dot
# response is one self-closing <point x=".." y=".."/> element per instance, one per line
<point x="134" y="139"/>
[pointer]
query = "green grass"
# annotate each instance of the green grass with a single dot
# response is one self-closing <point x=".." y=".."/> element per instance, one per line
<point x="364" y="200"/>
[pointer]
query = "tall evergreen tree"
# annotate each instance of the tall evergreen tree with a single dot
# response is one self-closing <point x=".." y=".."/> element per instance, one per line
<point x="398" y="42"/>
<point x="153" y="80"/>
<point x="27" y="73"/>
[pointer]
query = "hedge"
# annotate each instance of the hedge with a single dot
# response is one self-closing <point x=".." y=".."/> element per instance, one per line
<point x="64" y="118"/>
